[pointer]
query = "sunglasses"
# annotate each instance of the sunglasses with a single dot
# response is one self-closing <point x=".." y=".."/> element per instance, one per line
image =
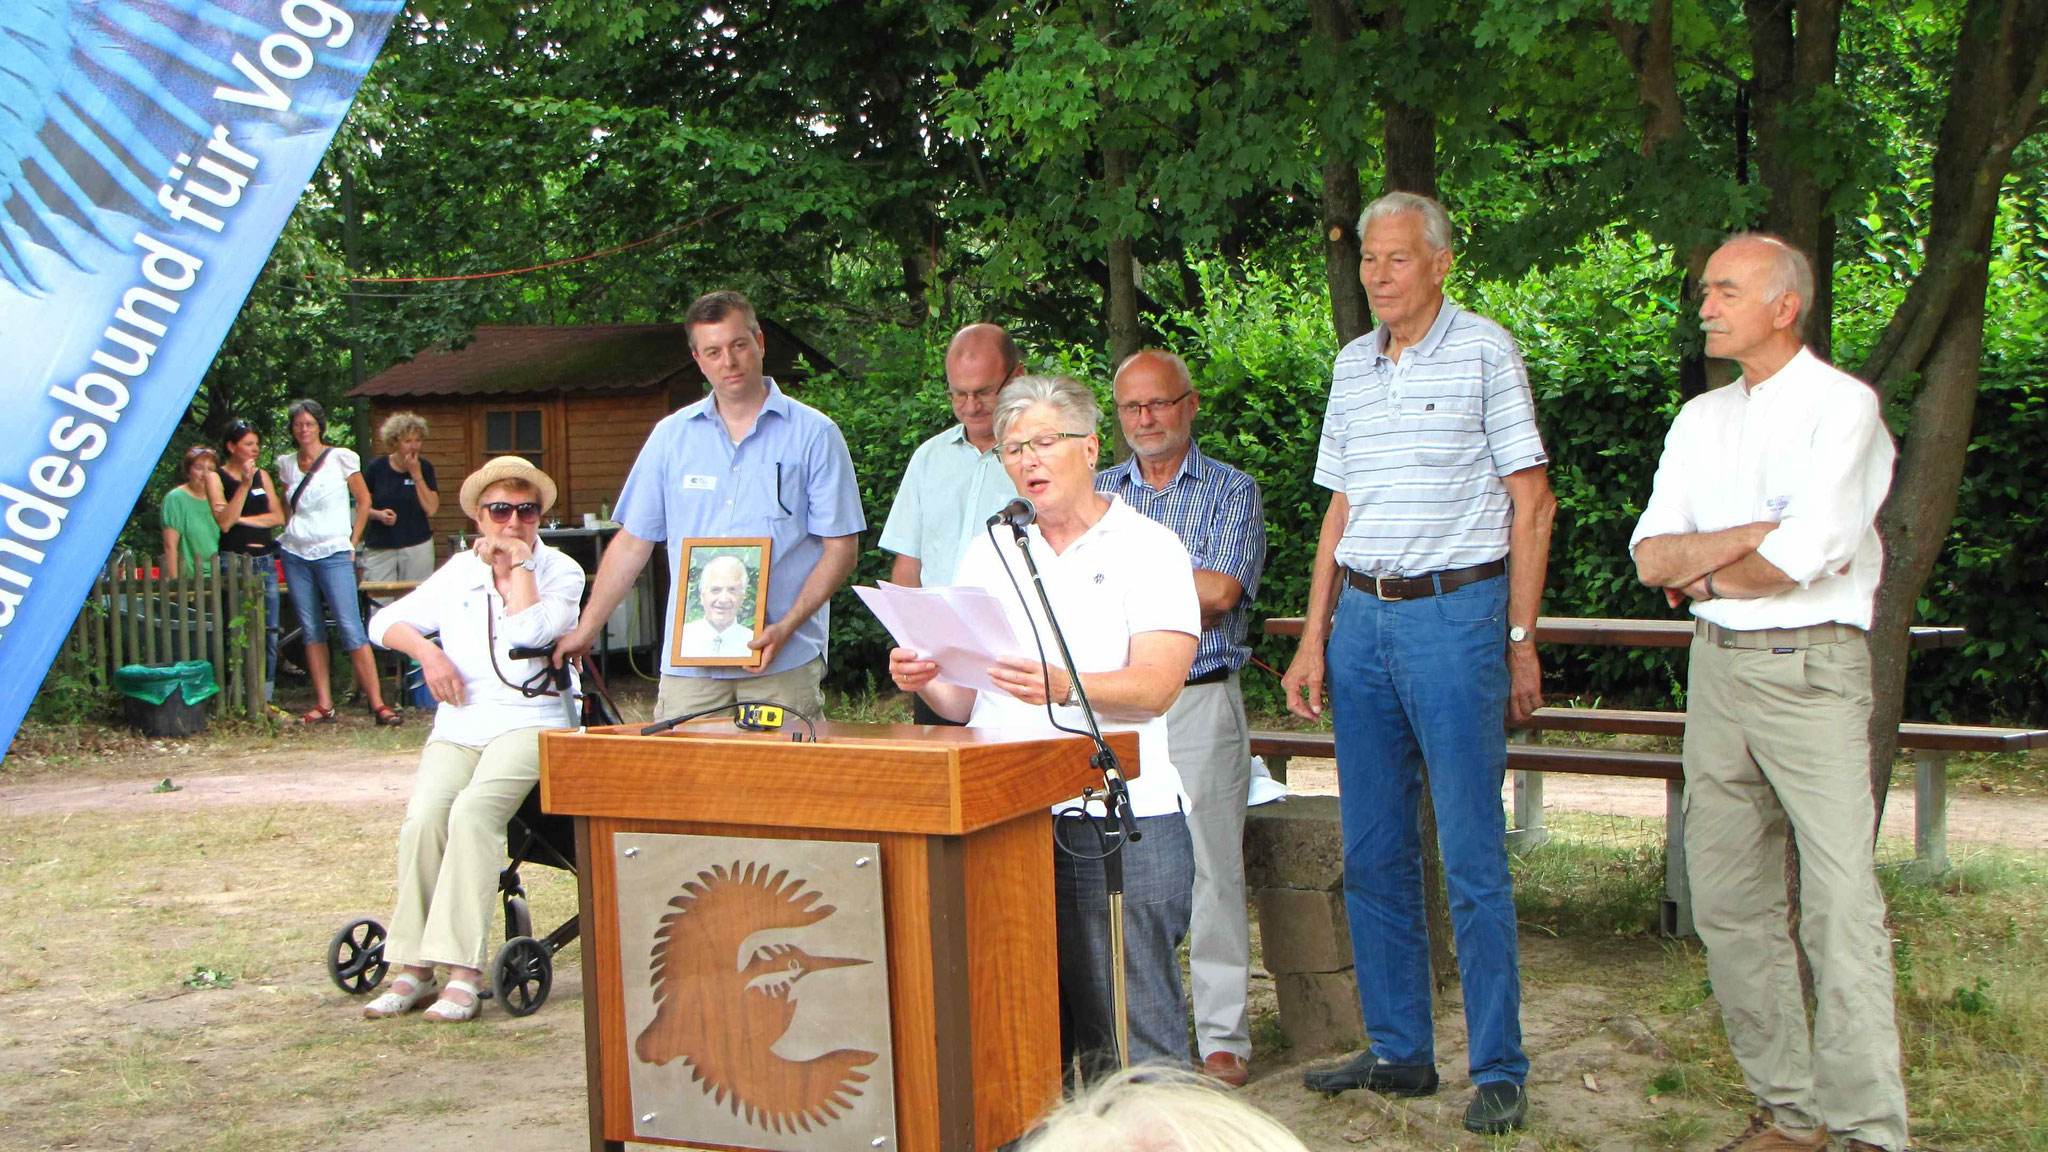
<point x="501" y="512"/>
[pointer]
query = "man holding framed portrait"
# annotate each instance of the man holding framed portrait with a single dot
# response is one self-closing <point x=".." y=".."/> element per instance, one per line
<point x="747" y="465"/>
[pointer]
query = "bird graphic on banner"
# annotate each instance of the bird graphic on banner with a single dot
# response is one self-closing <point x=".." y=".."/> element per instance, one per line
<point x="101" y="103"/>
<point x="724" y="1018"/>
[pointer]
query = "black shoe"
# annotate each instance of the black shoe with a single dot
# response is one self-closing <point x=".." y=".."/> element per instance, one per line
<point x="1365" y="1071"/>
<point x="1500" y="1106"/>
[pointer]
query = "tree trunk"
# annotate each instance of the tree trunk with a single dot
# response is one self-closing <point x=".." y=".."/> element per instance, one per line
<point x="1343" y="197"/>
<point x="1648" y="48"/>
<point x="1937" y="333"/>
<point x="1123" y="269"/>
<point x="1790" y="68"/>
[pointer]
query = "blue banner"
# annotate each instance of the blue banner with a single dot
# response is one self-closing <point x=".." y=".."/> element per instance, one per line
<point x="150" y="152"/>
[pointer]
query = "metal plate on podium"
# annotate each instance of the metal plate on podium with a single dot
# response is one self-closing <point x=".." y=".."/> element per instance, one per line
<point x="756" y="991"/>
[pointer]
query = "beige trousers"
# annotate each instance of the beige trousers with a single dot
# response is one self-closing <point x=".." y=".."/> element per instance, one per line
<point x="452" y="847"/>
<point x="1775" y="738"/>
<point x="413" y="563"/>
<point x="796" y="688"/>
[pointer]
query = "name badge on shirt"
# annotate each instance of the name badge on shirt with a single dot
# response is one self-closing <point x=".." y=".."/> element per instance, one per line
<point x="701" y="483"/>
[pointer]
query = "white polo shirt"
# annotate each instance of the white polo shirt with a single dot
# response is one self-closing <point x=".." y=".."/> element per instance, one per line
<point x="455" y="601"/>
<point x="1806" y="449"/>
<point x="1125" y="575"/>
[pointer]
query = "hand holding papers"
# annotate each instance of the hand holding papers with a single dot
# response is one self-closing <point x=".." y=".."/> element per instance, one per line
<point x="962" y="629"/>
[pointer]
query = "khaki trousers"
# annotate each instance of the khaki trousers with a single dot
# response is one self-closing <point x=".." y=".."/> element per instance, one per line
<point x="1776" y="738"/>
<point x="796" y="688"/>
<point x="411" y="563"/>
<point x="452" y="847"/>
<point x="1206" y="735"/>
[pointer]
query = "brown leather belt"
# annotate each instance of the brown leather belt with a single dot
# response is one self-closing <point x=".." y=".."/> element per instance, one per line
<point x="1417" y="587"/>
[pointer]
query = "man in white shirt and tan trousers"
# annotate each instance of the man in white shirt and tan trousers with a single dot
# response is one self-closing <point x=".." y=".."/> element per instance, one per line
<point x="1763" y="515"/>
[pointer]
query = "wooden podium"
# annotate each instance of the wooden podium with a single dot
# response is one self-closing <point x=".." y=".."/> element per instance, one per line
<point x="959" y="827"/>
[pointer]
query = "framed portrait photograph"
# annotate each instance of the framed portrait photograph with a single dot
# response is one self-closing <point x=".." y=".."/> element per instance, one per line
<point x="722" y="602"/>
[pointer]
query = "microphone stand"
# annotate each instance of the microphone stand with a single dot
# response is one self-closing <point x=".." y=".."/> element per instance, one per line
<point x="1118" y="825"/>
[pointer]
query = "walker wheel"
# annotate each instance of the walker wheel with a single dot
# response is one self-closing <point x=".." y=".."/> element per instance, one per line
<point x="518" y="918"/>
<point x="355" y="957"/>
<point x="522" y="975"/>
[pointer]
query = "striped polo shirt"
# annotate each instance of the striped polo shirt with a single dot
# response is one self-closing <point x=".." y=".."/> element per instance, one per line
<point x="1419" y="447"/>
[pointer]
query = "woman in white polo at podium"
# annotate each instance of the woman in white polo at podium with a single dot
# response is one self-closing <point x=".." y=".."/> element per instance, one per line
<point x="1123" y="589"/>
<point x="509" y="591"/>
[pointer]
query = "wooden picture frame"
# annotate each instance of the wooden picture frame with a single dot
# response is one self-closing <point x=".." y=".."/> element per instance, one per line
<point x="698" y="640"/>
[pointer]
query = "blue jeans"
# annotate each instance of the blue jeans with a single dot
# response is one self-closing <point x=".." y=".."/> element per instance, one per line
<point x="1159" y="877"/>
<point x="1410" y="682"/>
<point x="332" y="579"/>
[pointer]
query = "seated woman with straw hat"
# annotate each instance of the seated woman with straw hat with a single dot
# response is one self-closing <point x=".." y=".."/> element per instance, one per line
<point x="509" y="591"/>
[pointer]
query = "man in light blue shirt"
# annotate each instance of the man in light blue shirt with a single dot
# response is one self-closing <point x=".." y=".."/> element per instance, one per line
<point x="744" y="461"/>
<point x="955" y="480"/>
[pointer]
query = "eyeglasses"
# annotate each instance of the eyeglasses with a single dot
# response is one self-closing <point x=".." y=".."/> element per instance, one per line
<point x="1155" y="407"/>
<point x="1039" y="444"/>
<point x="956" y="395"/>
<point x="501" y="512"/>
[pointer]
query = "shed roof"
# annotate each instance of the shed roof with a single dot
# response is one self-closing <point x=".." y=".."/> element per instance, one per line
<point x="507" y="360"/>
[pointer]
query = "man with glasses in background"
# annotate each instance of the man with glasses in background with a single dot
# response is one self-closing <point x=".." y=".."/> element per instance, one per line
<point x="744" y="461"/>
<point x="1216" y="511"/>
<point x="955" y="480"/>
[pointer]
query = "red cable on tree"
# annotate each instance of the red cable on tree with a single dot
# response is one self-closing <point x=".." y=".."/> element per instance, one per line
<point x="533" y="268"/>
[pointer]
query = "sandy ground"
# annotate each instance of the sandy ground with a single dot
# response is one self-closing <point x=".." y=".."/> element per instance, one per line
<point x="1592" y="1061"/>
<point x="336" y="776"/>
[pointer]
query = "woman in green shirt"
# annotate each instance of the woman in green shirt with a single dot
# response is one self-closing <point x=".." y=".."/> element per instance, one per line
<point x="191" y="536"/>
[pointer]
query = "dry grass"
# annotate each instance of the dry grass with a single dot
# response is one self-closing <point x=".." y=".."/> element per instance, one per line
<point x="1971" y="958"/>
<point x="104" y="922"/>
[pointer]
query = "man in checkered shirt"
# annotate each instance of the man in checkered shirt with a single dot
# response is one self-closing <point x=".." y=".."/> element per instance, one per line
<point x="1215" y="511"/>
<point x="1427" y="578"/>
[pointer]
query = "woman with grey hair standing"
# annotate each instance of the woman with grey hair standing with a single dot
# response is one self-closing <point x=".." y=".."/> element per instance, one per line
<point x="398" y="540"/>
<point x="1123" y="589"/>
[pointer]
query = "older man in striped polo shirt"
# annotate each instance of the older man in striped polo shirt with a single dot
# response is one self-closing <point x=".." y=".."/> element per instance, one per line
<point x="1427" y="579"/>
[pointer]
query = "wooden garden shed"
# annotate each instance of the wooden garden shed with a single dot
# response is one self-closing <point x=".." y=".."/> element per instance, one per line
<point x="577" y="401"/>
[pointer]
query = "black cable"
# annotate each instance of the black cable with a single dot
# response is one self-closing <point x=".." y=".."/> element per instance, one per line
<point x="1044" y="668"/>
<point x="1079" y="813"/>
<point x="660" y="726"/>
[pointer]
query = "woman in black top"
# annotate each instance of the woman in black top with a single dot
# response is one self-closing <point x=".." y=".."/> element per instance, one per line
<point x="239" y="492"/>
<point x="398" y="542"/>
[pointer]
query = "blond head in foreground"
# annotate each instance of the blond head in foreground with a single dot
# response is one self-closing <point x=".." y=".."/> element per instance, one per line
<point x="1155" y="1109"/>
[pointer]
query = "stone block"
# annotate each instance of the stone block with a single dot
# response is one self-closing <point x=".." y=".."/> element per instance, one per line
<point x="1303" y="931"/>
<point x="1294" y="843"/>
<point x="1319" y="1012"/>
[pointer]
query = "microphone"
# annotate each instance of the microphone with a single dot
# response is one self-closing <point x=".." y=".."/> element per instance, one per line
<point x="1017" y="514"/>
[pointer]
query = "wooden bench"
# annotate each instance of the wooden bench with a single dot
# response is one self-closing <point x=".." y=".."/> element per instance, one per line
<point x="1528" y="763"/>
<point x="1932" y="745"/>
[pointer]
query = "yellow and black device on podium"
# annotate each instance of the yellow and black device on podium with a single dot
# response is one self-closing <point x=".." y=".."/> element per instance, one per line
<point x="758" y="717"/>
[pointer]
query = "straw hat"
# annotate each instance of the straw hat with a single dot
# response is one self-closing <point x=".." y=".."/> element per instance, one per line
<point x="506" y="468"/>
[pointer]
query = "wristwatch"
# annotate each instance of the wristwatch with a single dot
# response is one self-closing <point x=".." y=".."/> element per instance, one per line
<point x="1073" y="699"/>
<point x="531" y="563"/>
<point x="1517" y="634"/>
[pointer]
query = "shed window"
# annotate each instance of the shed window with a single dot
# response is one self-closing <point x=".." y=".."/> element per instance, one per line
<point x="514" y="433"/>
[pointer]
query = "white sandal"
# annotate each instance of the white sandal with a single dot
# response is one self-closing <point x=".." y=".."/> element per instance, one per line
<point x="446" y="1011"/>
<point x="396" y="1003"/>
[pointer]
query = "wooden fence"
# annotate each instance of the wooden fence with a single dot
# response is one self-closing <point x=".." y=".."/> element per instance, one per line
<point x="136" y="615"/>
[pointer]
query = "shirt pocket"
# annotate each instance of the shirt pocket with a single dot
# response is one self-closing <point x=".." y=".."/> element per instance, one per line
<point x="1442" y="428"/>
<point x="773" y="494"/>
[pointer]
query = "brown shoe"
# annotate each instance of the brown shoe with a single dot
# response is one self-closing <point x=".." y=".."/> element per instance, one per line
<point x="1226" y="1068"/>
<point x="1763" y="1135"/>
